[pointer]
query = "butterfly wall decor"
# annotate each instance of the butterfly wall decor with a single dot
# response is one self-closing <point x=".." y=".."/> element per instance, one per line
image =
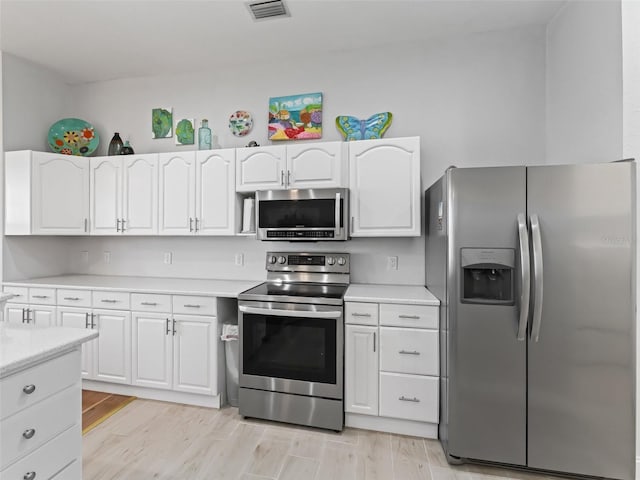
<point x="355" y="129"/>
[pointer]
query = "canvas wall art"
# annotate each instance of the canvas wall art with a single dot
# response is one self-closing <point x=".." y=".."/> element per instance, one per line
<point x="185" y="131"/>
<point x="295" y="117"/>
<point x="162" y="122"/>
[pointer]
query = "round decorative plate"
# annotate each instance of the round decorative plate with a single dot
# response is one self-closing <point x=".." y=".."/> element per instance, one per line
<point x="73" y="136"/>
<point x="240" y="123"/>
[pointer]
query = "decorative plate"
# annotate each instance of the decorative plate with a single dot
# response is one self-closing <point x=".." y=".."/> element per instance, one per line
<point x="240" y="123"/>
<point x="72" y="136"/>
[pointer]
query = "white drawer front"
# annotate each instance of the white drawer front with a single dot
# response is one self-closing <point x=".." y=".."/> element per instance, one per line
<point x="42" y="296"/>
<point x="21" y="294"/>
<point x="194" y="305"/>
<point x="418" y="316"/>
<point x="147" y="302"/>
<point x="409" y="350"/>
<point x="42" y="380"/>
<point x="51" y="458"/>
<point x="27" y="430"/>
<point x="74" y="298"/>
<point x="358" y="313"/>
<point x="412" y="397"/>
<point x="115" y="300"/>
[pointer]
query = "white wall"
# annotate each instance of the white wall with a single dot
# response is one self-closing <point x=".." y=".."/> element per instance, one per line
<point x="476" y="100"/>
<point x="584" y="83"/>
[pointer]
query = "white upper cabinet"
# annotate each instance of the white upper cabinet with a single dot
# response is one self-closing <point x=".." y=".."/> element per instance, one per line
<point x="177" y="193"/>
<point x="215" y="192"/>
<point x="46" y="194"/>
<point x="124" y="195"/>
<point x="301" y="165"/>
<point x="384" y="182"/>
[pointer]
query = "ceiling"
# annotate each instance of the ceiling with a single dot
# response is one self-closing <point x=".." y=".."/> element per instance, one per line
<point x="95" y="40"/>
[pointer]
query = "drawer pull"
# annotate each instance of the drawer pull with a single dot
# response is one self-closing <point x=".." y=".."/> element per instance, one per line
<point x="150" y="304"/>
<point x="192" y="306"/>
<point x="356" y="314"/>
<point x="29" y="476"/>
<point x="40" y="296"/>
<point x="406" y="352"/>
<point x="29" y="389"/>
<point x="75" y="299"/>
<point x="108" y="300"/>
<point x="29" y="433"/>
<point x="405" y="399"/>
<point x="412" y="317"/>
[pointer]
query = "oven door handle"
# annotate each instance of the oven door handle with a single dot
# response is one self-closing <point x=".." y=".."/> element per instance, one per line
<point x="289" y="313"/>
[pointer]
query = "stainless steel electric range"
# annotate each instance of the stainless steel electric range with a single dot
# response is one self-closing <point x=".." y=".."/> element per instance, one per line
<point x="292" y="340"/>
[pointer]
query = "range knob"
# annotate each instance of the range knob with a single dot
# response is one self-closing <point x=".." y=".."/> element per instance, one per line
<point x="282" y="260"/>
<point x="331" y="261"/>
<point x="342" y="260"/>
<point x="271" y="259"/>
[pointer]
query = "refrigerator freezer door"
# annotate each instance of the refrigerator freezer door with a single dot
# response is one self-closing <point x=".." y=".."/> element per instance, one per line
<point x="485" y="361"/>
<point x="581" y="369"/>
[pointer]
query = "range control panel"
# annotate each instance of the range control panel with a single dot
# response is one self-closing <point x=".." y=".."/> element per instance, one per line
<point x="309" y="262"/>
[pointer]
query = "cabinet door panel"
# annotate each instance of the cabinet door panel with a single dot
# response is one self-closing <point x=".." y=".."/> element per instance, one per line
<point x="42" y="316"/>
<point x="177" y="196"/>
<point x="317" y="165"/>
<point x="140" y="195"/>
<point x="152" y="350"/>
<point x="78" y="318"/>
<point x="260" y="168"/>
<point x="361" y="370"/>
<point x="106" y="194"/>
<point x="215" y="193"/>
<point x="113" y="346"/>
<point x="195" y="354"/>
<point x="14" y="312"/>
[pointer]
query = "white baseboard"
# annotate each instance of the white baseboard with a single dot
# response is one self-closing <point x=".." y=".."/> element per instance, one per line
<point x="211" y="401"/>
<point x="391" y="425"/>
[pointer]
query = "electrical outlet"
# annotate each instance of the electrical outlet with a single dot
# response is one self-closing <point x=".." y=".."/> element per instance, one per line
<point x="392" y="263"/>
<point x="84" y="256"/>
<point x="168" y="258"/>
<point x="239" y="259"/>
<point x="107" y="257"/>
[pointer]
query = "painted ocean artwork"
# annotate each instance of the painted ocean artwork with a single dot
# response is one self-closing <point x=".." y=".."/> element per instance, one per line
<point x="162" y="122"/>
<point x="185" y="131"/>
<point x="295" y="117"/>
<point x="353" y="128"/>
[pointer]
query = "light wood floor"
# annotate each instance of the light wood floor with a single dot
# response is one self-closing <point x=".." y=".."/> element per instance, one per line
<point x="156" y="440"/>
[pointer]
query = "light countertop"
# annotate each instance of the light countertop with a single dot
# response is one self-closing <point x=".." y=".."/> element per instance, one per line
<point x="187" y="286"/>
<point x="406" y="294"/>
<point x="23" y="346"/>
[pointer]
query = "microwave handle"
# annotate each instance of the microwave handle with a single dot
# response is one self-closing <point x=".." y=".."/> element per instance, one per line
<point x="337" y="213"/>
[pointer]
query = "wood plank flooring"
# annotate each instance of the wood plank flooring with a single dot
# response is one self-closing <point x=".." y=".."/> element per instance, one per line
<point x="150" y="439"/>
<point x="98" y="405"/>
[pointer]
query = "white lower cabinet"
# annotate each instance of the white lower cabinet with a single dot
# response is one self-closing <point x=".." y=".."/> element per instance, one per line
<point x="361" y="369"/>
<point x="40" y="315"/>
<point x="195" y="353"/>
<point x="152" y="361"/>
<point x="413" y="397"/>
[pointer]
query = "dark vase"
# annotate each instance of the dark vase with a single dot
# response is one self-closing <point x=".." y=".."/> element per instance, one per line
<point x="115" y="145"/>
<point x="127" y="149"/>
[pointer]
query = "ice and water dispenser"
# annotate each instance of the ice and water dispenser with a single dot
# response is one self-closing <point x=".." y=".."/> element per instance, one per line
<point x="487" y="275"/>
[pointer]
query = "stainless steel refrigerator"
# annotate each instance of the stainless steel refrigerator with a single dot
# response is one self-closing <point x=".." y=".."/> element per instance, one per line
<point x="535" y="271"/>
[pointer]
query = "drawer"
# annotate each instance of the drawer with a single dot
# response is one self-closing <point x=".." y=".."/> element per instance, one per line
<point x="106" y="299"/>
<point x="409" y="350"/>
<point x="57" y="455"/>
<point x="194" y="305"/>
<point x="42" y="296"/>
<point x="44" y="420"/>
<point x="419" y="316"/>
<point x="412" y="397"/>
<point x="21" y="294"/>
<point x="361" y="313"/>
<point x="74" y="298"/>
<point x="146" y="302"/>
<point x="42" y="381"/>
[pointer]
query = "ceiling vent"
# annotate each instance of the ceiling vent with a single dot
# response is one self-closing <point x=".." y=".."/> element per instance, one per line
<point x="265" y="10"/>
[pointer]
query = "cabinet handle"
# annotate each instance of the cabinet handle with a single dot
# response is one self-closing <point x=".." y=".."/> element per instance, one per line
<point x="108" y="300"/>
<point x="117" y="224"/>
<point x="412" y="317"/>
<point x="282" y="177"/>
<point x="405" y="399"/>
<point x="29" y="476"/>
<point x="93" y="323"/>
<point x="75" y="299"/>
<point x="356" y="314"/>
<point x="86" y="225"/>
<point x="191" y="306"/>
<point x="86" y="320"/>
<point x="174" y="326"/>
<point x="29" y="389"/>
<point x="190" y="224"/>
<point x="167" y="332"/>
<point x="288" y="177"/>
<point x="29" y="433"/>
<point x="150" y="304"/>
<point x="197" y="227"/>
<point x="24" y="315"/>
<point x="374" y="342"/>
<point x="406" y="352"/>
<point x="16" y="295"/>
<point x="122" y="228"/>
<point x="351" y="224"/>
<point x="40" y="296"/>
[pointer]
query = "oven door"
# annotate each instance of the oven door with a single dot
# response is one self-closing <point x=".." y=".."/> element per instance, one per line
<point x="292" y="348"/>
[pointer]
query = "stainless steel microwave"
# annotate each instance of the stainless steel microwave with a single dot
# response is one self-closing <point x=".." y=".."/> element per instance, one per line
<point x="302" y="215"/>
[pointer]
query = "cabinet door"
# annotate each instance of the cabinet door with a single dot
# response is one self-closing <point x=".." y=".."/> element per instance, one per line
<point x="317" y="165"/>
<point x="79" y="318"/>
<point x="195" y="354"/>
<point x="140" y="194"/>
<point x="60" y="194"/>
<point x="106" y="195"/>
<point x="260" y="168"/>
<point x="361" y="370"/>
<point x="215" y="192"/>
<point x="14" y="312"/>
<point x="384" y="179"/>
<point x="151" y="350"/>
<point x="42" y="316"/>
<point x="113" y="346"/>
<point x="177" y="195"/>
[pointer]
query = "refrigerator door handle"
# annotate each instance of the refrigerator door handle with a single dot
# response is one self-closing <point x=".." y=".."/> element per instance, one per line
<point x="525" y="280"/>
<point x="536" y="240"/>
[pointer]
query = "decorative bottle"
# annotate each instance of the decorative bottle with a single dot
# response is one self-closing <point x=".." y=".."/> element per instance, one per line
<point x="204" y="136"/>
<point x="115" y="145"/>
<point x="127" y="149"/>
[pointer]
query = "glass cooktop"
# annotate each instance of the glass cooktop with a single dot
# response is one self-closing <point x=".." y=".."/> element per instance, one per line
<point x="296" y="292"/>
